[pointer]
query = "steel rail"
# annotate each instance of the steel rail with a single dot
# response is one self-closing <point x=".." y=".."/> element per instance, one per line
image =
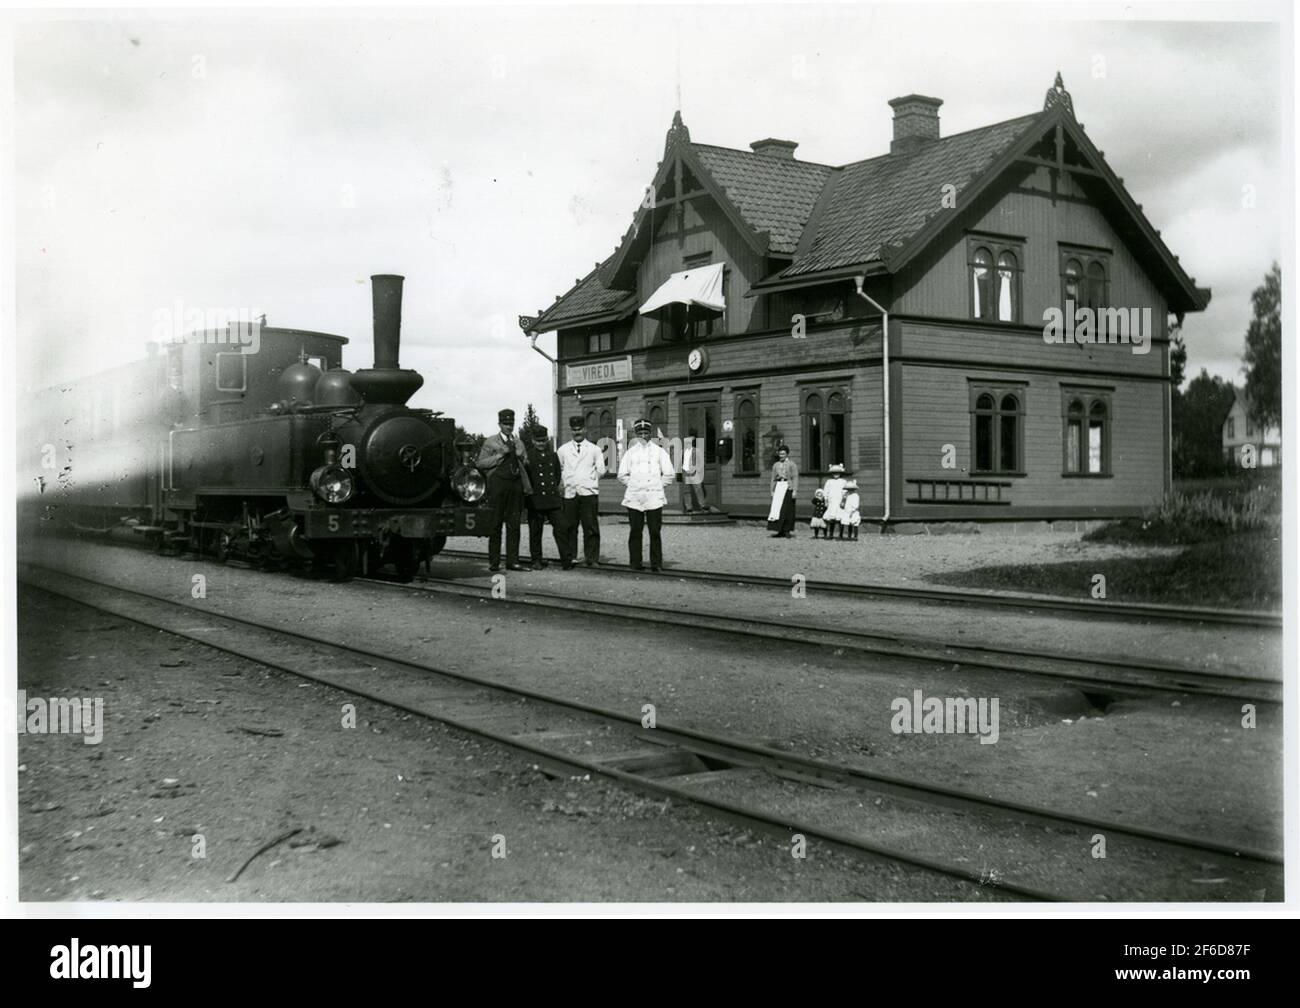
<point x="857" y="776"/>
<point x="1076" y="606"/>
<point x="1146" y="676"/>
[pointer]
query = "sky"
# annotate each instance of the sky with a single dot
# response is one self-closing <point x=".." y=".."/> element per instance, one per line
<point x="271" y="162"/>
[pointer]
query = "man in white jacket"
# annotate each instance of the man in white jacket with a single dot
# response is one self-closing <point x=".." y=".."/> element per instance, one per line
<point x="645" y="469"/>
<point x="582" y="465"/>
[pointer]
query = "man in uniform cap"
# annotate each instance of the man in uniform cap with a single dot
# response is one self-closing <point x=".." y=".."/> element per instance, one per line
<point x="546" y="503"/>
<point x="644" y="470"/>
<point x="504" y="460"/>
<point x="582" y="465"/>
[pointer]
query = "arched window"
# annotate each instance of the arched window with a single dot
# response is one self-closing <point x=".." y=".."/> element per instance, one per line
<point x="747" y="459"/>
<point x="1097" y="440"/>
<point x="1074" y="436"/>
<point x="1009" y="433"/>
<point x="1086" y="432"/>
<point x="982" y="284"/>
<point x="812" y="432"/>
<point x="827" y="415"/>
<point x="836" y="430"/>
<point x="1096" y="285"/>
<point x="985" y="420"/>
<point x="657" y="415"/>
<point x="1071" y="281"/>
<point x="1084" y="279"/>
<point x="994" y="278"/>
<point x="1008" y="288"/>
<point x="996" y="430"/>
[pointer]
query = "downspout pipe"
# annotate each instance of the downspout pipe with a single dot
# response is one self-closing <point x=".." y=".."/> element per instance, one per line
<point x="884" y="371"/>
<point x="555" y="384"/>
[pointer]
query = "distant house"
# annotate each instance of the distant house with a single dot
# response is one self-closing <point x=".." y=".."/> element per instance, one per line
<point x="744" y="305"/>
<point x="1239" y="430"/>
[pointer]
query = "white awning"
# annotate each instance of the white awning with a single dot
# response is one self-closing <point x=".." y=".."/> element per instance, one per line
<point x="699" y="289"/>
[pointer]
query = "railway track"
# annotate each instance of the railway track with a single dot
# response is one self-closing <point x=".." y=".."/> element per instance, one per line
<point x="1102" y="674"/>
<point x="1081" y="607"/>
<point x="570" y="737"/>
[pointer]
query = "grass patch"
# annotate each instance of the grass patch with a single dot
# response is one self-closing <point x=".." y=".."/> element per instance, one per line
<point x="1232" y="572"/>
<point x="1203" y="513"/>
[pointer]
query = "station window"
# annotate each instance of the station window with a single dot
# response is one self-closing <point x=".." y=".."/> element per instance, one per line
<point x="1085" y="279"/>
<point x="994" y="267"/>
<point x="232" y="372"/>
<point x="656" y="411"/>
<point x="1086" y="432"/>
<point x="826" y="415"/>
<point x="599" y="342"/>
<point x="600" y="423"/>
<point x="746" y="434"/>
<point x="997" y="429"/>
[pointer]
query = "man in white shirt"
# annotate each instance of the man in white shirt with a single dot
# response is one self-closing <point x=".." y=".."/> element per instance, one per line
<point x="644" y="470"/>
<point x="582" y="465"/>
<point x="693" y="496"/>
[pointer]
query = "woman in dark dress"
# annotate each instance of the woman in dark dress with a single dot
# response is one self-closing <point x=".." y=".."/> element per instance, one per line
<point x="785" y="484"/>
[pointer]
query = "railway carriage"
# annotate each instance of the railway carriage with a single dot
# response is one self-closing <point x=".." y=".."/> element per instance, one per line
<point x="254" y="442"/>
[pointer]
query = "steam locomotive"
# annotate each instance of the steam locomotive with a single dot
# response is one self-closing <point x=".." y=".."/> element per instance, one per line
<point x="254" y="443"/>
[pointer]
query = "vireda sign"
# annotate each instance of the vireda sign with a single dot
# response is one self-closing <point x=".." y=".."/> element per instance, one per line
<point x="1129" y="327"/>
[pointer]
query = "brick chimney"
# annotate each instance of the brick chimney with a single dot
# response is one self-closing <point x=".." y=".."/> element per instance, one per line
<point x="773" y="148"/>
<point x="916" y="122"/>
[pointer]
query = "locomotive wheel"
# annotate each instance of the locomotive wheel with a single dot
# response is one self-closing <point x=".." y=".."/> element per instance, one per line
<point x="436" y="544"/>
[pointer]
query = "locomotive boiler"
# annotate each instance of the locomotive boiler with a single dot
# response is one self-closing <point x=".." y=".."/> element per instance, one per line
<point x="266" y="450"/>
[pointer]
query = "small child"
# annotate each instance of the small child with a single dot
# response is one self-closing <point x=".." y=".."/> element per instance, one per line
<point x="851" y="518"/>
<point x="834" y="490"/>
<point x="819" y="508"/>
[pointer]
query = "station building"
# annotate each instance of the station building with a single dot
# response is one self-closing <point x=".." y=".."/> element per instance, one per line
<point x="976" y="326"/>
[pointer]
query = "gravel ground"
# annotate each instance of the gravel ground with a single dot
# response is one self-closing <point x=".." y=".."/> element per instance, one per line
<point x="748" y="548"/>
<point x="200" y="744"/>
<point x="1185" y="764"/>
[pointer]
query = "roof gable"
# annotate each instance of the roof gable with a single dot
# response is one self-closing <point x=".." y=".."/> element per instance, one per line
<point x="870" y="216"/>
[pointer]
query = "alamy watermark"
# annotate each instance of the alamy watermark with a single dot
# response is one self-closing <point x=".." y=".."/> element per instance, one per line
<point x="82" y="716"/>
<point x="1129" y="327"/>
<point x="226" y="326"/>
<point x="922" y="715"/>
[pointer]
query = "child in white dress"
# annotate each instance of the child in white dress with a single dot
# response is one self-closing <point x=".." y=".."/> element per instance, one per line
<point x="852" y="517"/>
<point x="834" y="490"/>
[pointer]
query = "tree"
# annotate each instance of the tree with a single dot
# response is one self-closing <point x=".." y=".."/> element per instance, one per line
<point x="1177" y="360"/>
<point x="1263" y="355"/>
<point x="1198" y="427"/>
<point x="531" y="423"/>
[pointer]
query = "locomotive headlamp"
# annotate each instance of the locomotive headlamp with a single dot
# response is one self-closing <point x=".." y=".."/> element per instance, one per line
<point x="469" y="483"/>
<point x="333" y="484"/>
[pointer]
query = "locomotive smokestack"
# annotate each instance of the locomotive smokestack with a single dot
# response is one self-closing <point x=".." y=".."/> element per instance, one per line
<point x="386" y="383"/>
<point x="386" y="295"/>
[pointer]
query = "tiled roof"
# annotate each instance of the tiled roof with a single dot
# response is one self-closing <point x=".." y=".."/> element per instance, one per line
<point x="859" y="209"/>
<point x="773" y="194"/>
<point x="888" y="199"/>
<point x="589" y="297"/>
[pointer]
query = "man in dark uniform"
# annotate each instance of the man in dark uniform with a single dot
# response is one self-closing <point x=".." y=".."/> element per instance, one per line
<point x="504" y="460"/>
<point x="547" y="499"/>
